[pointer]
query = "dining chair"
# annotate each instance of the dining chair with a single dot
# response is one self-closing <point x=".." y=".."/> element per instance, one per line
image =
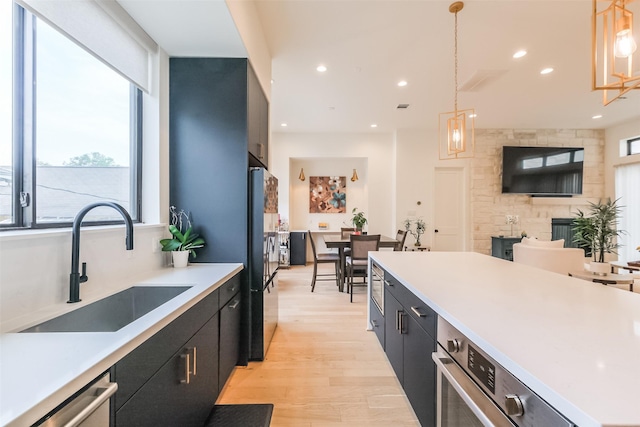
<point x="346" y="231"/>
<point x="356" y="263"/>
<point x="401" y="236"/>
<point x="324" y="258"/>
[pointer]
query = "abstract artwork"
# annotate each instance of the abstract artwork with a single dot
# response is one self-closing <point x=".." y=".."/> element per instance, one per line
<point x="327" y="194"/>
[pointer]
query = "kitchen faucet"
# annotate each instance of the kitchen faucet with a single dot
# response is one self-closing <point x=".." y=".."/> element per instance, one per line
<point x="75" y="278"/>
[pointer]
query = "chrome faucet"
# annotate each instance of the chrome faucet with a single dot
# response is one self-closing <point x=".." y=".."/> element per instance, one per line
<point x="75" y="278"/>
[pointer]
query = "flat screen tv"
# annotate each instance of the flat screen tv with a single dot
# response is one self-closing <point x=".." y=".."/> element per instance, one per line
<point x="542" y="171"/>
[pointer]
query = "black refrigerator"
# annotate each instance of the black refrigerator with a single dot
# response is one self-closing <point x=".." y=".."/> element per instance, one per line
<point x="263" y="260"/>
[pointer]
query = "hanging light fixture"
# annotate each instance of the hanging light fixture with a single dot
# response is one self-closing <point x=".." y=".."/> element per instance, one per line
<point x="354" y="177"/>
<point x="613" y="49"/>
<point x="301" y="177"/>
<point x="456" y="128"/>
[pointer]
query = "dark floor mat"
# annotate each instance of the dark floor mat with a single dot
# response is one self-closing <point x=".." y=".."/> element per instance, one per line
<point x="258" y="415"/>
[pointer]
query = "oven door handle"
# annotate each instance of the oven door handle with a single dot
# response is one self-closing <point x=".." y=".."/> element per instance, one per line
<point x="477" y="401"/>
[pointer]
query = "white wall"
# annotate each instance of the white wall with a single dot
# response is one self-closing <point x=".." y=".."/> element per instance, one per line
<point x="376" y="185"/>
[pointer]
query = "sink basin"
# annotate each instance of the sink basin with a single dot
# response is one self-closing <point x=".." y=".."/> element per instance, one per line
<point x="113" y="312"/>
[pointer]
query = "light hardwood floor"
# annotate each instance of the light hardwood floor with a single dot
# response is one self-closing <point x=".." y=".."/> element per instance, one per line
<point x="322" y="368"/>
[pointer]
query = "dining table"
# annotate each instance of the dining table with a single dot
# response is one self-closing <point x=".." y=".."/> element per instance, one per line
<point x="337" y="241"/>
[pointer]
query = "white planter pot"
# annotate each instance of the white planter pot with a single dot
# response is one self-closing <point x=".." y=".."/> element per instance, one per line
<point x="600" y="268"/>
<point x="180" y="258"/>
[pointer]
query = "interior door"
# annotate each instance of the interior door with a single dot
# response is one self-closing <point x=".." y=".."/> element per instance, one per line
<point x="449" y="210"/>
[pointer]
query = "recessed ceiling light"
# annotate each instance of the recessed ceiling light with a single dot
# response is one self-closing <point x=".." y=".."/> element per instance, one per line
<point x="284" y="125"/>
<point x="546" y="70"/>
<point x="374" y="125"/>
<point x="520" y="54"/>
<point x="402" y="83"/>
<point x="321" y="68"/>
<point x="473" y="116"/>
<point x="597" y="116"/>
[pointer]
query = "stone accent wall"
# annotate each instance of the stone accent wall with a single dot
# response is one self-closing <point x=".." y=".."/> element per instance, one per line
<point x="489" y="206"/>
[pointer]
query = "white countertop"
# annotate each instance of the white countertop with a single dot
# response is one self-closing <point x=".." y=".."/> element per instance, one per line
<point x="575" y="343"/>
<point x="38" y="371"/>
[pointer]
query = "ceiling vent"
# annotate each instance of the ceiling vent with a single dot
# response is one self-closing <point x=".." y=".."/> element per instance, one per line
<point x="479" y="79"/>
<point x="402" y="106"/>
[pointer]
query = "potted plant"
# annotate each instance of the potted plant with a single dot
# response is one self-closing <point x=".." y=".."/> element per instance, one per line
<point x="184" y="240"/>
<point x="597" y="230"/>
<point x="358" y="220"/>
<point x="419" y="229"/>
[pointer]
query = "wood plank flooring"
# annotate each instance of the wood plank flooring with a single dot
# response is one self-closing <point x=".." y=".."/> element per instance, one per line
<point x="323" y="368"/>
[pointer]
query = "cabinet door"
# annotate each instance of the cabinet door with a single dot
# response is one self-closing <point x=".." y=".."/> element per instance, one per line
<point x="393" y="338"/>
<point x="377" y="321"/>
<point x="419" y="371"/>
<point x="168" y="398"/>
<point x="298" y="243"/>
<point x="229" y="338"/>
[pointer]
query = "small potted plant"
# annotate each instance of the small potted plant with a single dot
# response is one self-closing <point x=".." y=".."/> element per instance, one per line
<point x="419" y="228"/>
<point x="597" y="231"/>
<point x="358" y="220"/>
<point x="184" y="240"/>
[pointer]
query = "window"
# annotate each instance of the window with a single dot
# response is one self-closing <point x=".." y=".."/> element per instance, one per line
<point x="84" y="141"/>
<point x="633" y="146"/>
<point x="627" y="178"/>
<point x="6" y="117"/>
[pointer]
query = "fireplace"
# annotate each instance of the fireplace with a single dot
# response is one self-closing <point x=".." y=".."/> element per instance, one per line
<point x="561" y="228"/>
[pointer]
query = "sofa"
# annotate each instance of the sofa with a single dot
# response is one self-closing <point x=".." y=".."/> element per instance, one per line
<point x="549" y="255"/>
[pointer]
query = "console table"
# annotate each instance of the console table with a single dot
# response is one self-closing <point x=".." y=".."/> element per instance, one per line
<point x="502" y="247"/>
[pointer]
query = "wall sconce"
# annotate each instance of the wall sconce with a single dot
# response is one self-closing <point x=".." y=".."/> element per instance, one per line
<point x="456" y="128"/>
<point x="613" y="49"/>
<point x="301" y="177"/>
<point x="354" y="177"/>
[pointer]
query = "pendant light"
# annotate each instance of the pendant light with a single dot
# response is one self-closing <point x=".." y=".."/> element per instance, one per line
<point x="614" y="49"/>
<point x="456" y="128"/>
<point x="354" y="177"/>
<point x="301" y="177"/>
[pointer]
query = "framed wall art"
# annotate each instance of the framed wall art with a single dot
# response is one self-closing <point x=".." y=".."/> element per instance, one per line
<point x="327" y="194"/>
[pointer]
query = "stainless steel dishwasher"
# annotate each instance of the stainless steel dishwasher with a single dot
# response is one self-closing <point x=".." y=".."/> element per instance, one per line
<point x="89" y="408"/>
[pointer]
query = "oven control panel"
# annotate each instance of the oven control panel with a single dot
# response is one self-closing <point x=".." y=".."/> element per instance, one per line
<point x="484" y="370"/>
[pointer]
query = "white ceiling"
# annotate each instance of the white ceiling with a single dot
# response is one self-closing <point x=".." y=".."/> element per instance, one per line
<point x="369" y="45"/>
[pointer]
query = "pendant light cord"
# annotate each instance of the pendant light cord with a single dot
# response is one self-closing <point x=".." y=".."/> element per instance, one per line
<point x="455" y="72"/>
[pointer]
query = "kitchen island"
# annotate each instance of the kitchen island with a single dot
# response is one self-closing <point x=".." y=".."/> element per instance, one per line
<point x="574" y="343"/>
<point x="38" y="371"/>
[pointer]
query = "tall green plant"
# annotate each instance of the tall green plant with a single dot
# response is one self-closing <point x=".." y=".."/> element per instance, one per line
<point x="597" y="229"/>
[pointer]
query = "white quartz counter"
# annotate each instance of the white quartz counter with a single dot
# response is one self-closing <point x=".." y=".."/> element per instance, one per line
<point x="575" y="343"/>
<point x="38" y="371"/>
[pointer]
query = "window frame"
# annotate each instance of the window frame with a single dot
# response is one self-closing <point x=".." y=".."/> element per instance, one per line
<point x="24" y="175"/>
<point x="630" y="142"/>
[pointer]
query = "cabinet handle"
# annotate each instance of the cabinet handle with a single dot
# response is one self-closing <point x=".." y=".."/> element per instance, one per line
<point x="234" y="305"/>
<point x="187" y="372"/>
<point x="417" y="312"/>
<point x="386" y="282"/>
<point x="195" y="360"/>
<point x="401" y="330"/>
<point x="397" y="320"/>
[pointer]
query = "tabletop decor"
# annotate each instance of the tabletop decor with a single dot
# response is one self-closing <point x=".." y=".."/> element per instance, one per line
<point x="184" y="241"/>
<point x="328" y="194"/>
<point x="416" y="228"/>
<point x="358" y="220"/>
<point x="511" y="220"/>
<point x="596" y="229"/>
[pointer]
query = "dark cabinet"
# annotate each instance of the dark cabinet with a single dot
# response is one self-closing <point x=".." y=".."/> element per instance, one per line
<point x="218" y="128"/>
<point x="174" y="377"/>
<point x="502" y="247"/>
<point x="229" y="338"/>
<point x="257" y="119"/>
<point x="377" y="322"/>
<point x="185" y="388"/>
<point x="298" y="247"/>
<point x="409" y="341"/>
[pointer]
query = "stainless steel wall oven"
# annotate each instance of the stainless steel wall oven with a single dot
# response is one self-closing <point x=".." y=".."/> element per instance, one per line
<point x="377" y="286"/>
<point x="474" y="390"/>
